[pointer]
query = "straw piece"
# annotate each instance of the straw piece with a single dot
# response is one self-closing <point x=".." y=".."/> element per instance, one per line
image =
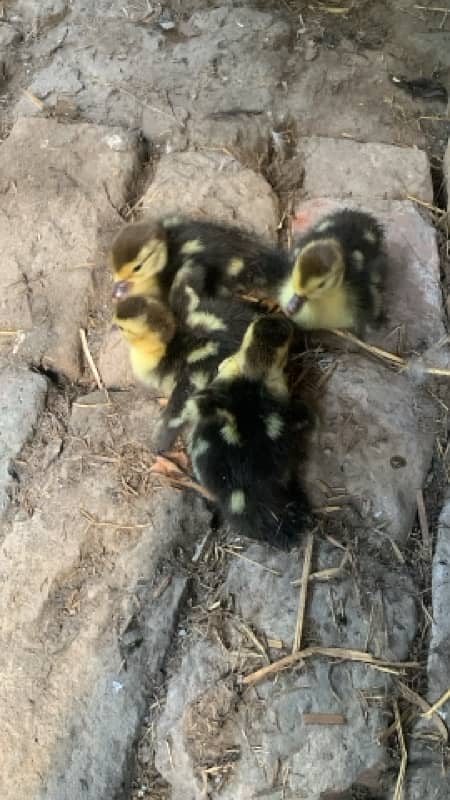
<point x="330" y="652"/>
<point x="250" y="560"/>
<point x="440" y="702"/>
<point x="324" y="719"/>
<point x="423" y="519"/>
<point x="398" y="793"/>
<point x="412" y="697"/>
<point x="90" y="360"/>
<point x="303" y="593"/>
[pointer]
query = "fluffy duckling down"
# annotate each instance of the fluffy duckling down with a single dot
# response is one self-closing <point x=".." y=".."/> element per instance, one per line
<point x="245" y="444"/>
<point x="177" y="358"/>
<point x="338" y="274"/>
<point x="146" y="256"/>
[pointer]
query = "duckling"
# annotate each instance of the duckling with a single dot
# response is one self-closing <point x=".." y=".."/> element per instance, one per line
<point x="243" y="442"/>
<point x="146" y="256"/>
<point x="177" y="358"/>
<point x="338" y="274"/>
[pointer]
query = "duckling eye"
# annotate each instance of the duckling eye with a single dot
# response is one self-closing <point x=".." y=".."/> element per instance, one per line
<point x="137" y="267"/>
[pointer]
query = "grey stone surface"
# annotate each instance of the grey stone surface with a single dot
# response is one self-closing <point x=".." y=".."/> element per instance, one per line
<point x="212" y="185"/>
<point x="84" y="626"/>
<point x="375" y="442"/>
<point x="413" y="297"/>
<point x="347" y="169"/>
<point x="446" y="169"/>
<point x="61" y="184"/>
<point x="265" y="724"/>
<point x="8" y="35"/>
<point x="439" y="652"/>
<point x="114" y="362"/>
<point x="22" y="398"/>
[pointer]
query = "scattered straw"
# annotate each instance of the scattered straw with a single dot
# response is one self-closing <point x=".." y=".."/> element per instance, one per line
<point x="303" y="592"/>
<point x="385" y="355"/>
<point x="415" y="699"/>
<point x="329" y="652"/>
<point x="250" y="560"/>
<point x="162" y="586"/>
<point x="398" y="793"/>
<point x="325" y="574"/>
<point x="11" y="332"/>
<point x="443" y="699"/>
<point x="435" y="209"/>
<point x="91" y="362"/>
<point x="254" y="639"/>
<point x="108" y="524"/>
<point x="324" y="719"/>
<point x="35" y="100"/>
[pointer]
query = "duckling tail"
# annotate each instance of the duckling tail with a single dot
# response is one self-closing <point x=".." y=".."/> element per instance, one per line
<point x="278" y="515"/>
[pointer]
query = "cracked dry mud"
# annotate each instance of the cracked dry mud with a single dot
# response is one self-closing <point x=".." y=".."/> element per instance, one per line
<point x="128" y="623"/>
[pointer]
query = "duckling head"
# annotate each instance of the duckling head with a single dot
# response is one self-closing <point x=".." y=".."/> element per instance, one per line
<point x="265" y="345"/>
<point x="145" y="322"/>
<point x="264" y="349"/>
<point x="319" y="267"/>
<point x="138" y="254"/>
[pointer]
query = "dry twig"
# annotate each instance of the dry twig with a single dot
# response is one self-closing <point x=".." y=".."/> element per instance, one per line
<point x="330" y="652"/>
<point x="324" y="719"/>
<point x="415" y="699"/>
<point x="440" y="702"/>
<point x="90" y="361"/>
<point x="303" y="592"/>
<point x="423" y="522"/>
<point x="404" y="754"/>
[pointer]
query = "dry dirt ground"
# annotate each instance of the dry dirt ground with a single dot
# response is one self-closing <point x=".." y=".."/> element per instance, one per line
<point x="129" y="624"/>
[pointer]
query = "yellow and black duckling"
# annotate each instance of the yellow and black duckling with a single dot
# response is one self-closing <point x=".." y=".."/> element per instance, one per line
<point x="338" y="274"/>
<point x="145" y="257"/>
<point x="179" y="358"/>
<point x="245" y="437"/>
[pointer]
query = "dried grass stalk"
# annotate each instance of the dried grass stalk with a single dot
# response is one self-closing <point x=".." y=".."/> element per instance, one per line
<point x="303" y="593"/>
<point x="324" y="719"/>
<point x="398" y="793"/>
<point x="329" y="652"/>
<point x="440" y="702"/>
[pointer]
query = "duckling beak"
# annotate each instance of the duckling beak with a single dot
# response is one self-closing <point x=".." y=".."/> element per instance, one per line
<point x="120" y="290"/>
<point x="295" y="304"/>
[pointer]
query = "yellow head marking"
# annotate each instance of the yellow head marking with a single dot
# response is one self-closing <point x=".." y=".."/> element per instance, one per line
<point x="274" y="425"/>
<point x="319" y="267"/>
<point x="237" y="501"/>
<point x="209" y="349"/>
<point x="230" y="367"/>
<point x="235" y="266"/>
<point x="229" y="430"/>
<point x="192" y="247"/>
<point x="204" y="319"/>
<point x="138" y="255"/>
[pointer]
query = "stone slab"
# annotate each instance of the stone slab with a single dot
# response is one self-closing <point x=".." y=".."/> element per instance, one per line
<point x="206" y="715"/>
<point x="413" y="296"/>
<point x="438" y="667"/>
<point x="348" y="169"/>
<point x="84" y="623"/>
<point x="22" y="398"/>
<point x="61" y="185"/>
<point x="213" y="185"/>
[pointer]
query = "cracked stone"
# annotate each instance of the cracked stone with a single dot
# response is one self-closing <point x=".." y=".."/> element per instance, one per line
<point x="86" y="598"/>
<point x="22" y="401"/>
<point x="46" y="280"/>
<point x="314" y="759"/>
<point x="213" y="185"/>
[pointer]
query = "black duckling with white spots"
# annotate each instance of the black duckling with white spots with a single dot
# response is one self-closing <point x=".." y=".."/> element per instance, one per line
<point x="338" y="274"/>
